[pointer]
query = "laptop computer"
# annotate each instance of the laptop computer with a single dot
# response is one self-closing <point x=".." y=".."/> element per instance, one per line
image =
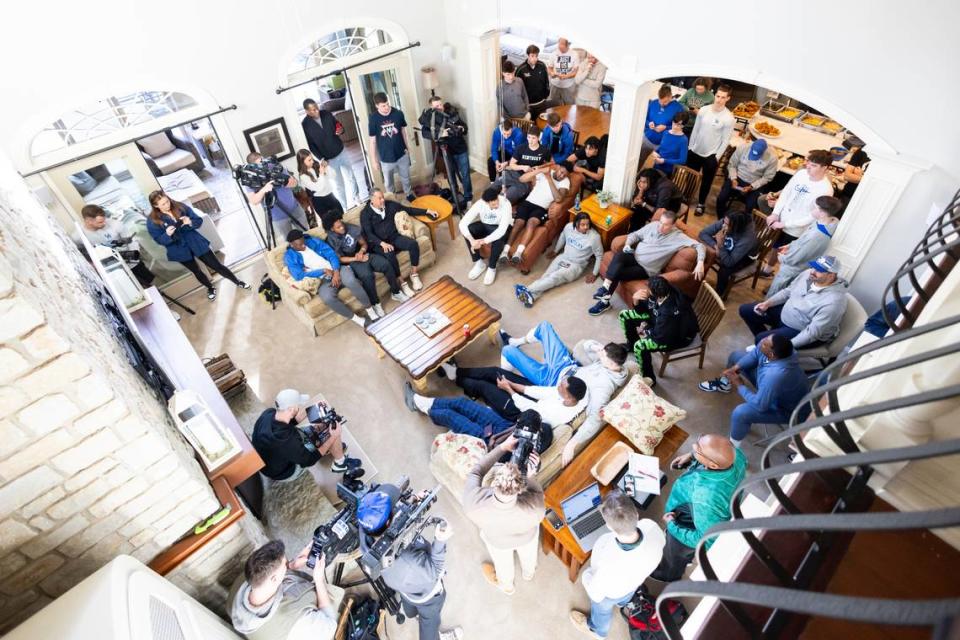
<point x="581" y="511"/>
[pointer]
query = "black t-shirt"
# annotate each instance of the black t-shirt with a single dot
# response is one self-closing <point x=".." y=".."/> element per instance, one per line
<point x="593" y="164"/>
<point x="390" y="143"/>
<point x="532" y="158"/>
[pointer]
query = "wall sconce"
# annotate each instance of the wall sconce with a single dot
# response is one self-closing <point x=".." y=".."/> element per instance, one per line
<point x="429" y="79"/>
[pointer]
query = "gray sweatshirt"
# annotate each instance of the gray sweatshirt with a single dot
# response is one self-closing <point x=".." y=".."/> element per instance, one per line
<point x="815" y="312"/>
<point x="757" y="172"/>
<point x="578" y="247"/>
<point x="503" y="525"/>
<point x="653" y="250"/>
<point x="811" y="244"/>
<point x="416" y="573"/>
<point x="602" y="383"/>
<point x="514" y="98"/>
<point x="735" y="247"/>
<point x="292" y="613"/>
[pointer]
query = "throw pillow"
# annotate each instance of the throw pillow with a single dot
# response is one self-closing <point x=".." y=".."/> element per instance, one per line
<point x="404" y="224"/>
<point x="641" y="415"/>
<point x="459" y="451"/>
<point x="310" y="285"/>
<point x="156" y="145"/>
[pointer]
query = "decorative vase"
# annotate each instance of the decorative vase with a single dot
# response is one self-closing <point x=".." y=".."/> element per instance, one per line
<point x="604" y="204"/>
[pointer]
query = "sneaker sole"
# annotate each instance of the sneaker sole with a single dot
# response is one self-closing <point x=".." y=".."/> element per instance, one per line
<point x="600" y="312"/>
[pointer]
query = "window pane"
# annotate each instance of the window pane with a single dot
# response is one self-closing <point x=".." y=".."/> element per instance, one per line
<point x="337" y="45"/>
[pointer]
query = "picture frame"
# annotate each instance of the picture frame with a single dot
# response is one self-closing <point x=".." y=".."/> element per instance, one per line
<point x="270" y="139"/>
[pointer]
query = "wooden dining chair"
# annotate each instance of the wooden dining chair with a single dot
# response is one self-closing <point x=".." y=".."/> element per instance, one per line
<point x="709" y="309"/>
<point x="687" y="181"/>
<point x="525" y="125"/>
<point x="766" y="237"/>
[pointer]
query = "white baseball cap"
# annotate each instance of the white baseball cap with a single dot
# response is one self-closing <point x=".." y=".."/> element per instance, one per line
<point x="291" y="398"/>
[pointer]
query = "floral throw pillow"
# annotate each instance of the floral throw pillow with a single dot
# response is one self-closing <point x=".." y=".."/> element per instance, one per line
<point x="308" y="284"/>
<point x="460" y="452"/>
<point x="641" y="415"/>
<point x="404" y="224"/>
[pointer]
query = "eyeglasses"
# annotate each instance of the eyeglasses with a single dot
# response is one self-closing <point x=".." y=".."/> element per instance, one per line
<point x="698" y="450"/>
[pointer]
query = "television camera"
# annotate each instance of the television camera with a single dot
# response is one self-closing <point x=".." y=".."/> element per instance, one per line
<point x="321" y="417"/>
<point x="440" y="125"/>
<point x="256" y="175"/>
<point x="407" y="523"/>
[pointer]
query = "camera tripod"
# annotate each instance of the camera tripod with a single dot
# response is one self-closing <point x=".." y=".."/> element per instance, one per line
<point x="387" y="596"/>
<point x="453" y="178"/>
<point x="269" y="200"/>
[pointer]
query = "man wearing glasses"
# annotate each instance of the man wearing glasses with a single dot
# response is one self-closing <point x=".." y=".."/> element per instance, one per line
<point x="700" y="498"/>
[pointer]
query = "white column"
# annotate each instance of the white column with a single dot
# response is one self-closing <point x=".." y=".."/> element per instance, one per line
<point x="483" y="53"/>
<point x="626" y="135"/>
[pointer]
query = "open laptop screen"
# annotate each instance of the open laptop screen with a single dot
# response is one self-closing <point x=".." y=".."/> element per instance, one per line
<point x="580" y="502"/>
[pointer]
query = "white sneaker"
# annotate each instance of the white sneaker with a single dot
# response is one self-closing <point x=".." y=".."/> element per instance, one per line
<point x="407" y="291"/>
<point x="359" y="320"/>
<point x="490" y="276"/>
<point x="477" y="270"/>
<point x="415" y="281"/>
<point x="371" y="313"/>
<point x="399" y="296"/>
<point x="379" y="309"/>
<point x="452" y="634"/>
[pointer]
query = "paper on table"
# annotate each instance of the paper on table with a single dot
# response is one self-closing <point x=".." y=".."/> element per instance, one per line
<point x="646" y="473"/>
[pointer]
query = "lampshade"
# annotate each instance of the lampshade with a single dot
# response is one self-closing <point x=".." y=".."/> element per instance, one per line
<point x="428" y="76"/>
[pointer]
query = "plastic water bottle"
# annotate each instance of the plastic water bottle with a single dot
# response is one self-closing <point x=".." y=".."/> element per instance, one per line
<point x="576" y="203"/>
<point x="609" y="220"/>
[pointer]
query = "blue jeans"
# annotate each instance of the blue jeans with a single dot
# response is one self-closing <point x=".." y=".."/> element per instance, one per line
<point x="462" y="163"/>
<point x="601" y="613"/>
<point x="556" y="358"/>
<point x="744" y="416"/>
<point x="462" y="415"/>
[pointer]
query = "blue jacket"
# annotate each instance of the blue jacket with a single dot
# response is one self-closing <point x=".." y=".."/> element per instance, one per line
<point x="510" y="144"/>
<point x="186" y="243"/>
<point x="780" y="383"/>
<point x="659" y="115"/>
<point x="566" y="142"/>
<point x="294" y="260"/>
<point x="673" y="150"/>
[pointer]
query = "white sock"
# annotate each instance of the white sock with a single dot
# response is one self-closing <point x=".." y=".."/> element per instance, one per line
<point x="607" y="283"/>
<point x="449" y="369"/>
<point x="340" y="460"/>
<point x="520" y="249"/>
<point x="506" y="250"/>
<point x="531" y="337"/>
<point x="422" y="402"/>
<point x="736" y="443"/>
<point x="357" y="319"/>
<point x="504" y="364"/>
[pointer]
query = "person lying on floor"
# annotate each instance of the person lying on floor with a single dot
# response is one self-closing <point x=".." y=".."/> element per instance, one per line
<point x="556" y="405"/>
<point x="578" y="241"/>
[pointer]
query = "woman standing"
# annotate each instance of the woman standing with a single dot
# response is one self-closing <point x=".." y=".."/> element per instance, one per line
<point x="313" y="178"/>
<point x="175" y="226"/>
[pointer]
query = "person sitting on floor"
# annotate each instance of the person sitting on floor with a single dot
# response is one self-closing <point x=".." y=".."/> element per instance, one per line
<point x="644" y="254"/>
<point x="795" y="256"/>
<point x="808" y="312"/>
<point x="285" y="450"/>
<point x="557" y="137"/>
<point x="662" y="319"/>
<point x="673" y="146"/>
<point x="773" y="369"/>
<point x="486" y="222"/>
<point x="307" y="256"/>
<point x="550" y="185"/>
<point x="578" y="241"/>
<point x="351" y="247"/>
<point x="656" y="193"/>
<point x="699" y="499"/>
<point x="734" y="238"/>
<point x="378" y="221"/>
<point x="590" y="162"/>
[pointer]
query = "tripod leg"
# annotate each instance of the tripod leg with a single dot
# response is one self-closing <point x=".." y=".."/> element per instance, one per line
<point x="178" y="303"/>
<point x="451" y="179"/>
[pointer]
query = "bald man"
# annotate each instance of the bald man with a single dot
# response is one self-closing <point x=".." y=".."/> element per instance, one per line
<point x="700" y="498"/>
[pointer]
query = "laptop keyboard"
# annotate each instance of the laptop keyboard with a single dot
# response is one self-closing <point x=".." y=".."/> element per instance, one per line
<point x="587" y="525"/>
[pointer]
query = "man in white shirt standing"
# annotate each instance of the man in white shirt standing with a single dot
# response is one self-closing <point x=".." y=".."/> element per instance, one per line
<point x="562" y="69"/>
<point x="621" y="561"/>
<point x="709" y="139"/>
<point x="486" y="222"/>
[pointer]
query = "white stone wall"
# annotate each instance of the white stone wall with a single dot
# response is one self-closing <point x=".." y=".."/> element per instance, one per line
<point x="90" y="464"/>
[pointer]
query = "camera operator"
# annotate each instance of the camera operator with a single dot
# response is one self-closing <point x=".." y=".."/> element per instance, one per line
<point x="285" y="206"/>
<point x="277" y="600"/>
<point x="416" y="574"/>
<point x="508" y="514"/>
<point x="101" y="230"/>
<point x="442" y="124"/>
<point x="284" y="448"/>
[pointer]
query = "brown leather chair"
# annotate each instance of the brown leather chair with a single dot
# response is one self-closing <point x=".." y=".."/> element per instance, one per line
<point x="678" y="271"/>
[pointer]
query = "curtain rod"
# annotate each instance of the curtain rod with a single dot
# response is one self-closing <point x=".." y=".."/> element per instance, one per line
<point x="127" y="141"/>
<point x="280" y="90"/>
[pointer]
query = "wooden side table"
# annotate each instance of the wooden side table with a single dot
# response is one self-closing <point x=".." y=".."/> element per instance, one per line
<point x="444" y="212"/>
<point x="619" y="218"/>
<point x="577" y="476"/>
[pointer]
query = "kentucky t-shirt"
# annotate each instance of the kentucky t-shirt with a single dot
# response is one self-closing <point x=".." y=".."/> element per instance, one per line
<point x="390" y="143"/>
<point x="532" y="158"/>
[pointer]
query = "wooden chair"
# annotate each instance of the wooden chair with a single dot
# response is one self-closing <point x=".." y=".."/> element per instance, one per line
<point x="709" y="309"/>
<point x="525" y="125"/>
<point x="687" y="181"/>
<point x="766" y="237"/>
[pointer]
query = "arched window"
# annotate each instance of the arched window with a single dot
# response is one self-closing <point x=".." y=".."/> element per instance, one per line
<point x="107" y="116"/>
<point x="337" y="45"/>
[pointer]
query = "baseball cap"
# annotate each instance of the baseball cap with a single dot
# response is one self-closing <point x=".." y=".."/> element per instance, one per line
<point x="294" y="234"/>
<point x="757" y="149"/>
<point x="376" y="506"/>
<point x="826" y="264"/>
<point x="291" y="398"/>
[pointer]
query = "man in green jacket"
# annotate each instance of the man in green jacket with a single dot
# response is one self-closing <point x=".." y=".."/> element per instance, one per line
<point x="700" y="498"/>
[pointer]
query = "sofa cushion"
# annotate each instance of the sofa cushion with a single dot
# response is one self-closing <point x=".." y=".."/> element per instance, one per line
<point x="404" y="224"/>
<point x="83" y="182"/>
<point x="156" y="145"/>
<point x="174" y="161"/>
<point x="641" y="415"/>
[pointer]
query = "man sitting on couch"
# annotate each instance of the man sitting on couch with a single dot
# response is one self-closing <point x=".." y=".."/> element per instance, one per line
<point x="550" y="185"/>
<point x="378" y="221"/>
<point x="310" y="257"/>
<point x="645" y="253"/>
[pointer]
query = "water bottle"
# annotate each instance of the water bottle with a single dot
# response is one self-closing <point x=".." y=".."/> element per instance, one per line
<point x="576" y="203"/>
<point x="609" y="220"/>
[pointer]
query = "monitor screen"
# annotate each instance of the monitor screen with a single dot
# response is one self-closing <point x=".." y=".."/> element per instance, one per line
<point x="580" y="502"/>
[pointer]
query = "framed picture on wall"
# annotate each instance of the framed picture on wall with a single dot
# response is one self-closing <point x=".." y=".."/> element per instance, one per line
<point x="270" y="139"/>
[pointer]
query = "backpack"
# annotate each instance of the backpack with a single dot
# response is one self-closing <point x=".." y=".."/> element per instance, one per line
<point x="363" y="619"/>
<point x="641" y="616"/>
<point x="269" y="291"/>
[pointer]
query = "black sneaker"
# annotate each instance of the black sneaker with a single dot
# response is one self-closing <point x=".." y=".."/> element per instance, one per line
<point x="348" y="464"/>
<point x="244" y="286"/>
<point x="211" y="294"/>
<point x="504" y="337"/>
<point x="698" y="211"/>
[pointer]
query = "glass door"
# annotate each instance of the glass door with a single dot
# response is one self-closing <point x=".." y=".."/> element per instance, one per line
<point x="393" y="76"/>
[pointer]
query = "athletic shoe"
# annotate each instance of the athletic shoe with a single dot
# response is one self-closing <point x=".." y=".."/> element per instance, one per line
<point x="452" y="634"/>
<point x="526" y="298"/>
<point x="698" y="211"/>
<point x="503" y="258"/>
<point x="415" y="281"/>
<point x="411" y="197"/>
<point x="602" y="305"/>
<point x="399" y="296"/>
<point x="477" y="270"/>
<point x="601" y="292"/>
<point x="407" y="291"/>
<point x="504" y="337"/>
<point x="211" y="294"/>
<point x="243" y="285"/>
<point x="489" y="276"/>
<point x="408" y="394"/>
<point x="516" y="260"/>
<point x="348" y="463"/>
<point x="379" y="309"/>
<point x="717" y="385"/>
<point x="440" y="370"/>
<point x="579" y="620"/>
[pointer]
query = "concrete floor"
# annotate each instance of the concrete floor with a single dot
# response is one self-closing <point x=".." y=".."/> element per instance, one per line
<point x="276" y="352"/>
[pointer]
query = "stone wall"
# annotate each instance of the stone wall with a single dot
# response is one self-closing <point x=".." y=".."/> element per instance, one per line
<point x="90" y="464"/>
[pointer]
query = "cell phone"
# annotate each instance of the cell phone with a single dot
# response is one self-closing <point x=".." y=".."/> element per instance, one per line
<point x="555" y="520"/>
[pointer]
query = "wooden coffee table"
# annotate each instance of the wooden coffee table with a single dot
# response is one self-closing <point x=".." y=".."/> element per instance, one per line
<point x="577" y="476"/>
<point x="396" y="335"/>
<point x="619" y="218"/>
<point x="444" y="213"/>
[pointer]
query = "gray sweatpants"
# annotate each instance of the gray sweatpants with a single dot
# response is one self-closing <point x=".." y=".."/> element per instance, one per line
<point x="347" y="279"/>
<point x="427" y="613"/>
<point x="515" y="190"/>
<point x="401" y="166"/>
<point x="564" y="95"/>
<point x="561" y="271"/>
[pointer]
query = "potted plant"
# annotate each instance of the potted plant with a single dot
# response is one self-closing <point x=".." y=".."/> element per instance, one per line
<point x="604" y="198"/>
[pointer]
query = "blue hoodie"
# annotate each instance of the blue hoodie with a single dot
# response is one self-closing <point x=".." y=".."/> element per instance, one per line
<point x="673" y="150"/>
<point x="294" y="260"/>
<point x="510" y="143"/>
<point x="780" y="383"/>
<point x="660" y="115"/>
<point x="566" y="142"/>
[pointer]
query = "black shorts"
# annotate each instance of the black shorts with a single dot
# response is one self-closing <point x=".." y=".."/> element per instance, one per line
<point x="527" y="210"/>
<point x="783" y="239"/>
